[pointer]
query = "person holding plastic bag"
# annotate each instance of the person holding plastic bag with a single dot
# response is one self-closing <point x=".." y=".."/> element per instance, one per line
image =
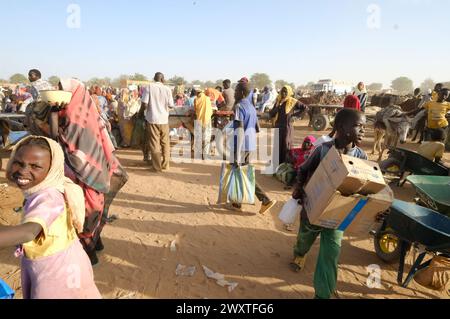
<point x="245" y="128"/>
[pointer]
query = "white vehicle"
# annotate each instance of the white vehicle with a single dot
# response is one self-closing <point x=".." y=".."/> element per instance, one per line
<point x="338" y="87"/>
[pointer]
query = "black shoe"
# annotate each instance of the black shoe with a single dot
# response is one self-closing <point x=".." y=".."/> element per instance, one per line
<point x="99" y="246"/>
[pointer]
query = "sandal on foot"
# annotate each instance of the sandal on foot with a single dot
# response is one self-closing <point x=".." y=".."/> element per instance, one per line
<point x="298" y="264"/>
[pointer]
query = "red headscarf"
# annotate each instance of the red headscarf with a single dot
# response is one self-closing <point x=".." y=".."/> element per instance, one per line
<point x="352" y="102"/>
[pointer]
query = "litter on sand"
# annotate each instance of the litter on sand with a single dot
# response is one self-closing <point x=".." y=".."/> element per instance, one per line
<point x="173" y="246"/>
<point x="220" y="279"/>
<point x="186" y="271"/>
<point x="174" y="243"/>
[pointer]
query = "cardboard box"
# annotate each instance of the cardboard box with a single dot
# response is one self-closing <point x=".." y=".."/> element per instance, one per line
<point x="350" y="175"/>
<point x="354" y="214"/>
<point x="337" y="176"/>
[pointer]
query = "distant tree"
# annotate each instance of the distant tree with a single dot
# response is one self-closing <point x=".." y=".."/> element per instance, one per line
<point x="293" y="86"/>
<point x="3" y="81"/>
<point x="209" y="84"/>
<point x="375" y="87"/>
<point x="99" y="82"/>
<point x="177" y="80"/>
<point x="307" y="87"/>
<point x="53" y="80"/>
<point x="138" y="77"/>
<point x="107" y="81"/>
<point x="260" y="80"/>
<point x="428" y="84"/>
<point x="18" y="78"/>
<point x="403" y="85"/>
<point x="280" y="83"/>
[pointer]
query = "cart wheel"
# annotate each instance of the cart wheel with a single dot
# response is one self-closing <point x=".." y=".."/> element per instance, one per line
<point x="321" y="122"/>
<point x="387" y="246"/>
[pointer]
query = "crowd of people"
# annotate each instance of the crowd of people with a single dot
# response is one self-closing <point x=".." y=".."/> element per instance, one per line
<point x="69" y="173"/>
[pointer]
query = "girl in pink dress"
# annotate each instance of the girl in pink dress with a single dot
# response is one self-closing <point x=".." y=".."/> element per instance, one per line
<point x="54" y="264"/>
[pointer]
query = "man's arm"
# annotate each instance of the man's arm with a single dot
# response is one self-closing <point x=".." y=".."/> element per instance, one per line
<point x="299" y="109"/>
<point x="144" y="102"/>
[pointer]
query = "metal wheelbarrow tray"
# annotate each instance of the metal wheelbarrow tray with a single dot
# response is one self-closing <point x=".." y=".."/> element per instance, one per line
<point x="415" y="224"/>
<point x="418" y="165"/>
<point x="433" y="191"/>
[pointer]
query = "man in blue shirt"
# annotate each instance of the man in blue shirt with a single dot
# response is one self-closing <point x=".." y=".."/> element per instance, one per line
<point x="245" y="128"/>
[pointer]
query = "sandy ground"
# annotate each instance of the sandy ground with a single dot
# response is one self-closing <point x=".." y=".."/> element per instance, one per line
<point x="249" y="249"/>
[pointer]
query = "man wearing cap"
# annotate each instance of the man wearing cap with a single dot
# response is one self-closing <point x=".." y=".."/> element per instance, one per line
<point x="156" y="101"/>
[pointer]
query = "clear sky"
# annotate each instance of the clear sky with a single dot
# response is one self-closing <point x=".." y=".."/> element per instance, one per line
<point x="294" y="40"/>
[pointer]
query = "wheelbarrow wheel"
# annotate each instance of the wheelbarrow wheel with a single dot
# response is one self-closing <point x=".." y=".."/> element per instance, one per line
<point x="320" y="122"/>
<point x="387" y="246"/>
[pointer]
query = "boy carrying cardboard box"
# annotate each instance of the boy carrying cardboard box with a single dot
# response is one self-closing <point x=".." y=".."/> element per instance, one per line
<point x="349" y="132"/>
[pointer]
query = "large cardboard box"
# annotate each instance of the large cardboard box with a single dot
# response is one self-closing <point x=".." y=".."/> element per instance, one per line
<point x="337" y="176"/>
<point x="350" y="175"/>
<point x="356" y="214"/>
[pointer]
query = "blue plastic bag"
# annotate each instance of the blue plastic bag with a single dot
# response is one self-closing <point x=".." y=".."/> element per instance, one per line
<point x="237" y="184"/>
<point x="5" y="291"/>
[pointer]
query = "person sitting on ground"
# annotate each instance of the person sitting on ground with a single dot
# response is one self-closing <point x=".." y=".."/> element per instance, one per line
<point x="246" y="127"/>
<point x="434" y="149"/>
<point x="295" y="159"/>
<point x="298" y="156"/>
<point x="349" y="133"/>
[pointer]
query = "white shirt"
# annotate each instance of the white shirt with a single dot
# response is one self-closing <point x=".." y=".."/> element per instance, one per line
<point x="158" y="98"/>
